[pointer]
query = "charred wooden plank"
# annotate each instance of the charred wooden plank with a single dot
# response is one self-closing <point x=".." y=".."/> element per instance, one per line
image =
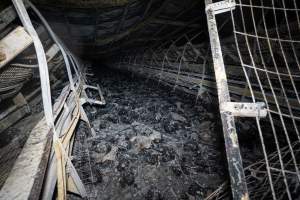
<point x="30" y="167"/>
<point x="13" y="44"/>
<point x="27" y="173"/>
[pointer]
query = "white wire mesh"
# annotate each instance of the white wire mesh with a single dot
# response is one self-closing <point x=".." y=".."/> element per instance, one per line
<point x="82" y="163"/>
<point x="267" y="40"/>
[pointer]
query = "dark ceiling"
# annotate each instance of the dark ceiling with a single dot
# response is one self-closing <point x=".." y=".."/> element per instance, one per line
<point x="100" y="28"/>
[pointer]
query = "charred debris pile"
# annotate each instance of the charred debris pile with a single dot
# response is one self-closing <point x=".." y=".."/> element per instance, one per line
<point x="152" y="142"/>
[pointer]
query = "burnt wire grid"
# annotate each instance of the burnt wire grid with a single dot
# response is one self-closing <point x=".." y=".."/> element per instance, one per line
<point x="14" y="76"/>
<point x="176" y="66"/>
<point x="266" y="34"/>
<point x="257" y="177"/>
<point x="180" y="63"/>
<point x="82" y="162"/>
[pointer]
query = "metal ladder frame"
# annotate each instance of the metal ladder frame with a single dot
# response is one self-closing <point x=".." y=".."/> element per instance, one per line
<point x="228" y="109"/>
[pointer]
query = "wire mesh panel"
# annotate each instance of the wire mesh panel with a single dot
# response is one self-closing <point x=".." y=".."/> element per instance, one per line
<point x="178" y="63"/>
<point x="266" y="34"/>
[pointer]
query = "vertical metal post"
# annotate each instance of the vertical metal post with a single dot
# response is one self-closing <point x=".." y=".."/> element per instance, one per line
<point x="235" y="165"/>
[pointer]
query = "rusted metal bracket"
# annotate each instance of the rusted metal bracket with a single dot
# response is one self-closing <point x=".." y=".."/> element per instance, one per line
<point x="235" y="164"/>
<point x="245" y="109"/>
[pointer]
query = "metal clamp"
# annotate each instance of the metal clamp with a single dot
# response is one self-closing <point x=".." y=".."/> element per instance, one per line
<point x="221" y="7"/>
<point x="245" y="109"/>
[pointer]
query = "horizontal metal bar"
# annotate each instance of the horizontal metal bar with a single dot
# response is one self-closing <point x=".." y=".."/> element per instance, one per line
<point x="244" y="109"/>
<point x="221" y="7"/>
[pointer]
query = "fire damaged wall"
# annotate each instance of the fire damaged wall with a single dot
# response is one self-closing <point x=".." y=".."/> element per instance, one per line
<point x="149" y="99"/>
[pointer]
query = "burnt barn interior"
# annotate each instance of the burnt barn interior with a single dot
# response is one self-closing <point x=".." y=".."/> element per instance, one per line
<point x="149" y="99"/>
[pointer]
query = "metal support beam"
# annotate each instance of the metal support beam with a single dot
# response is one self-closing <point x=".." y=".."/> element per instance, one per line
<point x="235" y="164"/>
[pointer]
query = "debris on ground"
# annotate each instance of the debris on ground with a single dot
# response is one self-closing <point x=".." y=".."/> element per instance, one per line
<point x="153" y="144"/>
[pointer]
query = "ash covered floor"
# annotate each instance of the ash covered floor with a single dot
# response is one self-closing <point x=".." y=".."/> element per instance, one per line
<point x="151" y="143"/>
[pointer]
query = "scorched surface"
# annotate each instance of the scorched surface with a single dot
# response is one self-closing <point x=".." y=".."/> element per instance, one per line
<point x="151" y="143"/>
